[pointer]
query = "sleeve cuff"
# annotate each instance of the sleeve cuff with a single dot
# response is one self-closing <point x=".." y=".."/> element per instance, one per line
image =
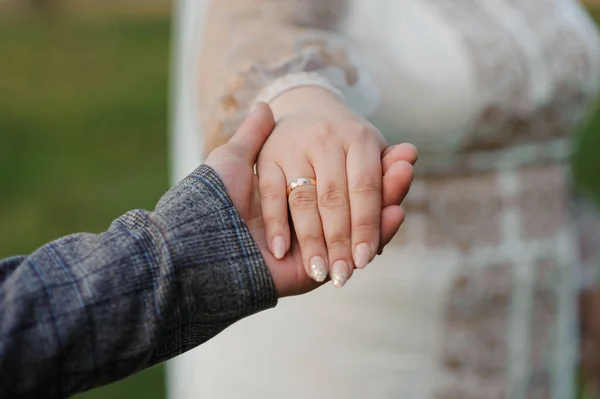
<point x="258" y="280"/>
<point x="220" y="270"/>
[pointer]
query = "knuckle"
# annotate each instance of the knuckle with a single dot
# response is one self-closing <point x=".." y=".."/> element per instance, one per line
<point x="270" y="192"/>
<point x="325" y="133"/>
<point x="363" y="132"/>
<point x="333" y="197"/>
<point x="368" y="225"/>
<point x="310" y="240"/>
<point x="360" y="132"/>
<point x="367" y="185"/>
<point x="274" y="224"/>
<point x="338" y="241"/>
<point x="302" y="198"/>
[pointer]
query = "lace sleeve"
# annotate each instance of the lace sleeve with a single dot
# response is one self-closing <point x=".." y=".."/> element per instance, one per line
<point x="257" y="49"/>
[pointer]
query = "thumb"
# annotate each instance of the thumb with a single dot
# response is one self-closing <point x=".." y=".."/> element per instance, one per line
<point x="253" y="132"/>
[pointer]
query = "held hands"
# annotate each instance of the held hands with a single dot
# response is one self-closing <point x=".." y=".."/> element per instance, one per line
<point x="338" y="223"/>
<point x="267" y="218"/>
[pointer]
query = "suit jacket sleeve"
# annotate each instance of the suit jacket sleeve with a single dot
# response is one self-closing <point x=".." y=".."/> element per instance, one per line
<point x="89" y="309"/>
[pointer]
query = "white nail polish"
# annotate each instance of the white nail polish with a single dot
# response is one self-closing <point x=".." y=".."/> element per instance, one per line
<point x="318" y="271"/>
<point x="339" y="273"/>
<point x="362" y="255"/>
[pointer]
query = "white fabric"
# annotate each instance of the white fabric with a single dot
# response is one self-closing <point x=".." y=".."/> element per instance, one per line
<point x="186" y="144"/>
<point x="185" y="141"/>
<point x="421" y="67"/>
<point x="294" y="80"/>
<point x="380" y="337"/>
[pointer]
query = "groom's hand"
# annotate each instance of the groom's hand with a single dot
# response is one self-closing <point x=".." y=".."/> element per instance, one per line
<point x="234" y="162"/>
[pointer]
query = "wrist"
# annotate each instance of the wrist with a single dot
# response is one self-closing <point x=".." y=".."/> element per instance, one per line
<point x="304" y="98"/>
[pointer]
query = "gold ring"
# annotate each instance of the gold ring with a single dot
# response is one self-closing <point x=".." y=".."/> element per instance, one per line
<point x="301" y="181"/>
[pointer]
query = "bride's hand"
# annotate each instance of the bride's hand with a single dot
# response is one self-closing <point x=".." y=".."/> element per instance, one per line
<point x="338" y="222"/>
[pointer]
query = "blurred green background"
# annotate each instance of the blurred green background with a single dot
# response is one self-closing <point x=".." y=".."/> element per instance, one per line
<point x="83" y="128"/>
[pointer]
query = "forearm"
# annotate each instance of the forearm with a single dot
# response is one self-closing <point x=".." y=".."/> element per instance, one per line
<point x="256" y="50"/>
<point x="89" y="309"/>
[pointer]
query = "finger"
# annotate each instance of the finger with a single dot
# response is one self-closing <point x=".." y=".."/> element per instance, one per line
<point x="253" y="133"/>
<point x="273" y="200"/>
<point x="401" y="152"/>
<point x="396" y="183"/>
<point x="363" y="166"/>
<point x="307" y="226"/>
<point x="334" y="209"/>
<point x="392" y="218"/>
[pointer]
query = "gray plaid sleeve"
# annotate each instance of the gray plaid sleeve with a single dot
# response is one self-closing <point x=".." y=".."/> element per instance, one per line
<point x="89" y="309"/>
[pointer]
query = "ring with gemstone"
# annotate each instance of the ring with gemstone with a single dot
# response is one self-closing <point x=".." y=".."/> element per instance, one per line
<point x="299" y="182"/>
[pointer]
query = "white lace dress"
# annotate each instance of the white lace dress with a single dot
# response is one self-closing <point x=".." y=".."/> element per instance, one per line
<point x="476" y="297"/>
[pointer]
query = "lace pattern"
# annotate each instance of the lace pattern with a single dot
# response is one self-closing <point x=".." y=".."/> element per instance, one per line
<point x="507" y="307"/>
<point x="261" y="78"/>
<point x="509" y="225"/>
<point x="257" y="51"/>
<point x="514" y="113"/>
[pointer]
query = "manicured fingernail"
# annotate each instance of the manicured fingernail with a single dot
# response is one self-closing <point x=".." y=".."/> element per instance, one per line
<point x="339" y="273"/>
<point x="362" y="255"/>
<point x="318" y="272"/>
<point x="278" y="247"/>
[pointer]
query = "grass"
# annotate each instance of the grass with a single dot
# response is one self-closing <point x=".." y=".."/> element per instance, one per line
<point x="83" y="122"/>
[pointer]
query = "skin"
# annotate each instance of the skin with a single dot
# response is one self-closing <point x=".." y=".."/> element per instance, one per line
<point x="234" y="162"/>
<point x="338" y="222"/>
<point x="590" y="339"/>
